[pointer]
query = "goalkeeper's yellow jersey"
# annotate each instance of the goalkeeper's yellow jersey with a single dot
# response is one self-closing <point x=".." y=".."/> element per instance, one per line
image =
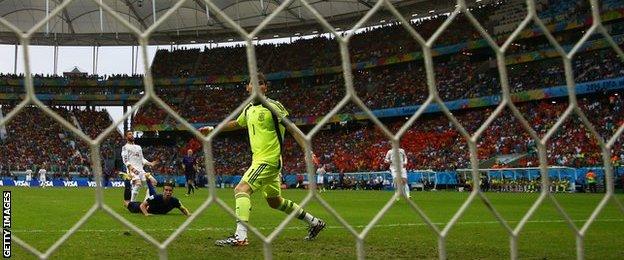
<point x="266" y="133"/>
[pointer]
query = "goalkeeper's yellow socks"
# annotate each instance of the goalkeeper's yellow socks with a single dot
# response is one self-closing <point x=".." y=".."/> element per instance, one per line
<point x="288" y="206"/>
<point x="243" y="208"/>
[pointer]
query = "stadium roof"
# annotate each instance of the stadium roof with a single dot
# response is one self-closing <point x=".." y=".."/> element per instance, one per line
<point x="80" y="23"/>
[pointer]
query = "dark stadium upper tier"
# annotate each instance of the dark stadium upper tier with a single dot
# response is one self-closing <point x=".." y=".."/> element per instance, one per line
<point x="82" y="22"/>
<point x="392" y="41"/>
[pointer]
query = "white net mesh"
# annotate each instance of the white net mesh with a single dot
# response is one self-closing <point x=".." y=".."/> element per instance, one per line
<point x="351" y="96"/>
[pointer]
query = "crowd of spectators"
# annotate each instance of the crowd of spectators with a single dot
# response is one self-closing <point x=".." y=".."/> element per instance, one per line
<point x="168" y="158"/>
<point x="461" y="75"/>
<point x="434" y="143"/>
<point x="431" y="143"/>
<point x="34" y="140"/>
<point x="93" y="123"/>
<point x="383" y="87"/>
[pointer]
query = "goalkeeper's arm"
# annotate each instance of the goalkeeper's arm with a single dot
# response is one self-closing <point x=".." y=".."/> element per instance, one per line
<point x="229" y="126"/>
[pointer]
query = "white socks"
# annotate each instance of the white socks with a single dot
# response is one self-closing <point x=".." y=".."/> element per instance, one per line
<point x="135" y="192"/>
<point x="310" y="219"/>
<point x="241" y="231"/>
<point x="407" y="191"/>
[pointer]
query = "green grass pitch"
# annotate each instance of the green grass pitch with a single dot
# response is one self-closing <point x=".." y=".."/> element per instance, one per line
<point x="41" y="216"/>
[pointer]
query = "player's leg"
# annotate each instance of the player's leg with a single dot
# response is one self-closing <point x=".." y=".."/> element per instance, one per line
<point x="273" y="195"/>
<point x="193" y="183"/>
<point x="144" y="178"/>
<point x="396" y="182"/>
<point x="127" y="191"/>
<point x="319" y="183"/>
<point x="132" y="178"/>
<point x="137" y="183"/>
<point x="136" y="186"/>
<point x="151" y="182"/>
<point x="187" y="176"/>
<point x="288" y="206"/>
<point x="405" y="185"/>
<point x="190" y="183"/>
<point x="133" y="206"/>
<point x="242" y="193"/>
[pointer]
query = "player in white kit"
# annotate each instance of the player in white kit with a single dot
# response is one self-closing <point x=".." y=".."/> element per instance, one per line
<point x="132" y="156"/>
<point x="403" y="159"/>
<point x="28" y="177"/>
<point x="42" y="176"/>
<point x="320" y="173"/>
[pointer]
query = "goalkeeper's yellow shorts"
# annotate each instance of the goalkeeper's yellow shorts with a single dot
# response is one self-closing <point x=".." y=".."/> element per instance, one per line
<point x="264" y="177"/>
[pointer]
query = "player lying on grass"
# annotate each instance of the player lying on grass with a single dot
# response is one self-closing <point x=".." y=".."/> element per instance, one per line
<point x="155" y="203"/>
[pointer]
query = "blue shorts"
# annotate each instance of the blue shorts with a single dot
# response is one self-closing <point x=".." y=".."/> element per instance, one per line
<point x="134" y="207"/>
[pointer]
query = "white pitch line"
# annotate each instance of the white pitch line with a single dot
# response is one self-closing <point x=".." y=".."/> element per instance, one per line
<point x="301" y="228"/>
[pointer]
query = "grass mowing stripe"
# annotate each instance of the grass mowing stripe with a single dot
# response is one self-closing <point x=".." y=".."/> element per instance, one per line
<point x="302" y="228"/>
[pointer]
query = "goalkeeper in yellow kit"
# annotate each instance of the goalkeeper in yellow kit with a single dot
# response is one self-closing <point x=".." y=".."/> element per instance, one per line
<point x="266" y="135"/>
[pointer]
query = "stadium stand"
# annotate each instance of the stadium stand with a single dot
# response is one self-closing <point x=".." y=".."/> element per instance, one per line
<point x="354" y="145"/>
